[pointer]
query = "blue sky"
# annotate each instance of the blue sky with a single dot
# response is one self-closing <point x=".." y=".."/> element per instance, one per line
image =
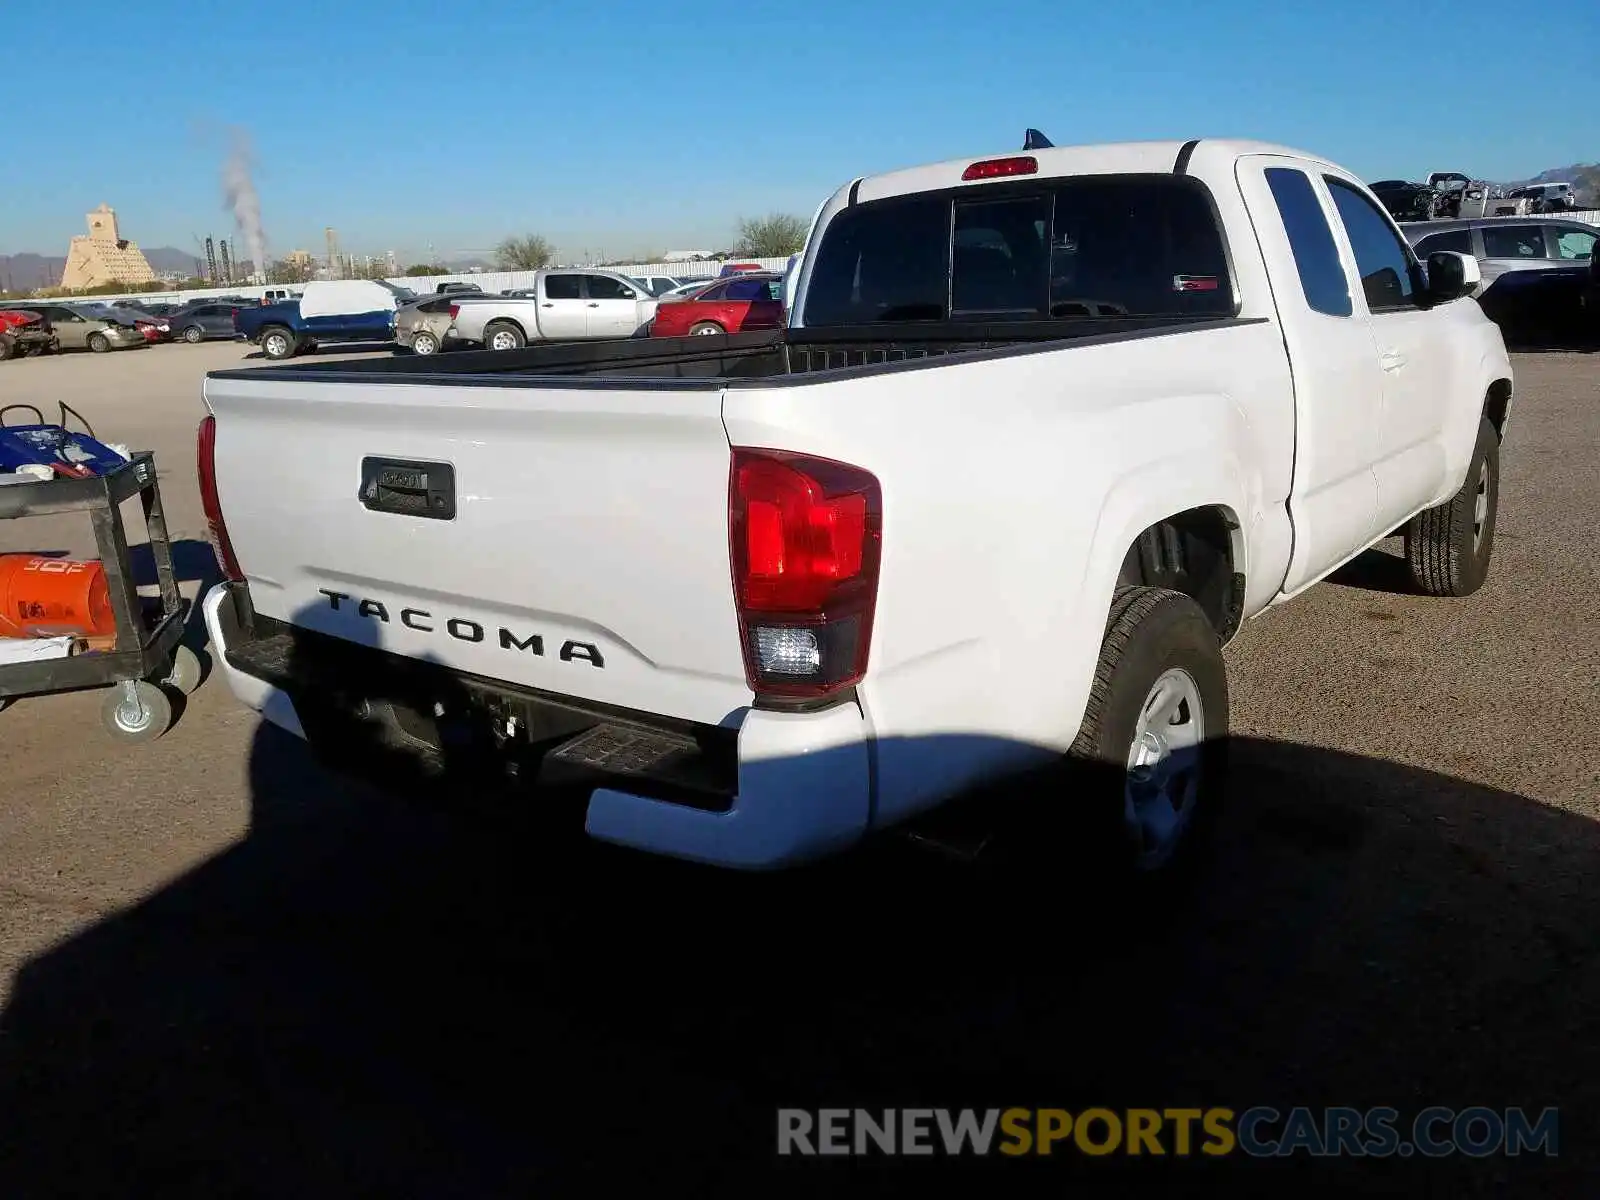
<point x="627" y="126"/>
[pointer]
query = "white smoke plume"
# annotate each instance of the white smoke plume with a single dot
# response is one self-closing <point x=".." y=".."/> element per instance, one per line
<point x="239" y="192"/>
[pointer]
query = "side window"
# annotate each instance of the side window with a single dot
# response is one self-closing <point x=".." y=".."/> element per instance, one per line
<point x="1514" y="241"/>
<point x="747" y="289"/>
<point x="1316" y="257"/>
<point x="603" y="287"/>
<point x="1381" y="258"/>
<point x="1458" y="241"/>
<point x="563" y="287"/>
<point x="1574" y="243"/>
<point x="719" y="292"/>
<point x="888" y="260"/>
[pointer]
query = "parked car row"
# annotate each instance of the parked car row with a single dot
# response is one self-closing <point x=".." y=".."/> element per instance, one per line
<point x="1534" y="272"/>
<point x="574" y="305"/>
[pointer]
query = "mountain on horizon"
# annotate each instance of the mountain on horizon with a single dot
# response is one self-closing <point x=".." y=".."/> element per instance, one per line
<point x="28" y="270"/>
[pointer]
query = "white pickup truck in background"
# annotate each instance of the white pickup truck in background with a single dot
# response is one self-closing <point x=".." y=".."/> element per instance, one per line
<point x="564" y="306"/>
<point x="1044" y="429"/>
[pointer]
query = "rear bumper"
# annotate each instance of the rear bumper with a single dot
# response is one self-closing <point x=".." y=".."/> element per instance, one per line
<point x="782" y="789"/>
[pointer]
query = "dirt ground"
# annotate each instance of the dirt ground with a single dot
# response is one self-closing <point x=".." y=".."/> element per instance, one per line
<point x="227" y="972"/>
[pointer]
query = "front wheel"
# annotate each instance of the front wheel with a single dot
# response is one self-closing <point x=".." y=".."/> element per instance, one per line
<point x="706" y="329"/>
<point x="424" y="343"/>
<point x="98" y="343"/>
<point x="136" y="711"/>
<point x="1149" y="765"/>
<point x="1448" y="547"/>
<point x="194" y="335"/>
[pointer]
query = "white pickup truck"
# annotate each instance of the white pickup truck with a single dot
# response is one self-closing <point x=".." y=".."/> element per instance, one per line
<point x="1043" y="430"/>
<point x="563" y="306"/>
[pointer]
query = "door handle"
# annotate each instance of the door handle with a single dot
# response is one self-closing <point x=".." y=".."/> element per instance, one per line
<point x="547" y="304"/>
<point x="1391" y="360"/>
<point x="594" y="304"/>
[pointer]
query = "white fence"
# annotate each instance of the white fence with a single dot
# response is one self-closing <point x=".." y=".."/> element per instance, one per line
<point x="489" y="281"/>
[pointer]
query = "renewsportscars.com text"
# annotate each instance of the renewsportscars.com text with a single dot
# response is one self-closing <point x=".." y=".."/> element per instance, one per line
<point x="1260" y="1132"/>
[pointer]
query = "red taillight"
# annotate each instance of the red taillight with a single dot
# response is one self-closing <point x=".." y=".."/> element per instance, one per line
<point x="455" y="311"/>
<point x="806" y="536"/>
<point x="206" y="462"/>
<point x="996" y="168"/>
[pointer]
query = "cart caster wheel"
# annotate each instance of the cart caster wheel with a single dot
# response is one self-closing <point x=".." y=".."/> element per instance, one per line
<point x="136" y="711"/>
<point x="186" y="671"/>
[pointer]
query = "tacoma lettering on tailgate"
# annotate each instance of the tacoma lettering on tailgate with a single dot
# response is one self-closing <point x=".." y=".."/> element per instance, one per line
<point x="462" y="629"/>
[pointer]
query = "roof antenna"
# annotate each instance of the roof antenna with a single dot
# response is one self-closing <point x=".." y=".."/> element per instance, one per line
<point x="1034" y="140"/>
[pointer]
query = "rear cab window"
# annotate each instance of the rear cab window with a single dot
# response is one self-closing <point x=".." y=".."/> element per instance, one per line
<point x="1105" y="246"/>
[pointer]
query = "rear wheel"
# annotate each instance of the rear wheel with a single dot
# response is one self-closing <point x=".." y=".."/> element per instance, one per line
<point x="277" y="342"/>
<point x="98" y="343"/>
<point x="424" y="343"/>
<point x="7" y="347"/>
<point x="503" y="335"/>
<point x="706" y="329"/>
<point x="194" y="335"/>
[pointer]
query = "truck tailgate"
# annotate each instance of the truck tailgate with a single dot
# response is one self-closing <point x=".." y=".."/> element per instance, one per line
<point x="587" y="554"/>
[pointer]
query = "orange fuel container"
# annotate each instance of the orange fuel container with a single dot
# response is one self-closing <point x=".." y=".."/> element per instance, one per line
<point x="52" y="597"/>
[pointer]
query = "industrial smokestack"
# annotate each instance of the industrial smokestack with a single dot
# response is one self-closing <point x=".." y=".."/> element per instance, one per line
<point x="239" y="190"/>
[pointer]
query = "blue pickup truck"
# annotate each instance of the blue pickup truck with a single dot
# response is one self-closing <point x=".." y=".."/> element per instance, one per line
<point x="335" y="310"/>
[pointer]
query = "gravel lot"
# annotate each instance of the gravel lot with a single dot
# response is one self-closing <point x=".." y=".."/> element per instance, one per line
<point x="227" y="972"/>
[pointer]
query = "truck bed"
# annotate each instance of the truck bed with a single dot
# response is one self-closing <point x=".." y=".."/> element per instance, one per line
<point x="766" y="358"/>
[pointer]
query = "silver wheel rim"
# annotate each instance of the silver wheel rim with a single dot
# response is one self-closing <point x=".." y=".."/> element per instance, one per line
<point x="708" y="331"/>
<point x="277" y="344"/>
<point x="503" y="339"/>
<point x="1480" y="505"/>
<point x="1164" y="767"/>
<point x="191" y="335"/>
<point x="423" y="345"/>
<point x="132" y="715"/>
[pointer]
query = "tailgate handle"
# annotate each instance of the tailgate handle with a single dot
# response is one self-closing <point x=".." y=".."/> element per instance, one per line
<point x="409" y="489"/>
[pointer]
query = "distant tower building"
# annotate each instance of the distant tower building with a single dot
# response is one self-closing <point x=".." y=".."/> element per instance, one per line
<point x="104" y="256"/>
<point x="227" y="264"/>
<point x="335" y="267"/>
<point x="394" y="263"/>
<point x="211" y="259"/>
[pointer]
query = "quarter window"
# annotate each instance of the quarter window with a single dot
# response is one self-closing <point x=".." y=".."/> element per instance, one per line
<point x="1316" y="257"/>
<point x="1382" y="260"/>
<point x="1575" y="243"/>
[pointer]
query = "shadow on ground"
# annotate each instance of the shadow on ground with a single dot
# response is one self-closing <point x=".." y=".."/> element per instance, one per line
<point x="458" y="996"/>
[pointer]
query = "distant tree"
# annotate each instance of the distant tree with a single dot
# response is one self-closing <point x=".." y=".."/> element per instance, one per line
<point x="290" y="271"/>
<point x="530" y="252"/>
<point x="772" y="236"/>
<point x="426" y="269"/>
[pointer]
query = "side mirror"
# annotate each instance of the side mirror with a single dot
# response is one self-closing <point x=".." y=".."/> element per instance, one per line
<point x="1452" y="275"/>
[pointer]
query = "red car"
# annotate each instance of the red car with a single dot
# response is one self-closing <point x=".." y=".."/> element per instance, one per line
<point x="734" y="305"/>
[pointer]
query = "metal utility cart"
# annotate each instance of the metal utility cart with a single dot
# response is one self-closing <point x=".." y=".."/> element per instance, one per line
<point x="146" y="658"/>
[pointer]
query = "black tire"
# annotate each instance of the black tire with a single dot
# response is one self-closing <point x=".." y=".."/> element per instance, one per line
<point x="194" y="335"/>
<point x="424" y="343"/>
<point x="7" y="347"/>
<point x="1152" y="635"/>
<point x="1448" y="547"/>
<point x="503" y="331"/>
<point x="705" y="328"/>
<point x="98" y="343"/>
<point x="143" y="721"/>
<point x="278" y="342"/>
